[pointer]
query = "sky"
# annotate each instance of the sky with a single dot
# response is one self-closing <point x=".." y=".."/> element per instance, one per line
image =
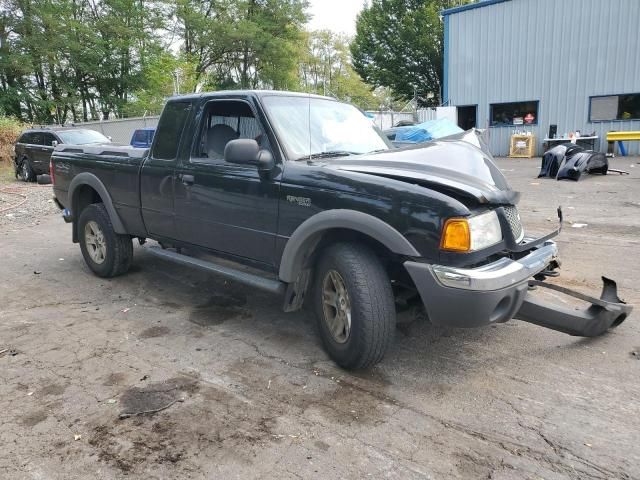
<point x="336" y="15"/>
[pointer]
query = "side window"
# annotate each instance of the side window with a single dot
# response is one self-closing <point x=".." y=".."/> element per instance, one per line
<point x="29" y="138"/>
<point x="36" y="138"/>
<point x="221" y="122"/>
<point x="48" y="138"/>
<point x="170" y="129"/>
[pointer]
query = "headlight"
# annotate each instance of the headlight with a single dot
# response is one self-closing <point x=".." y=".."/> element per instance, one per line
<point x="471" y="234"/>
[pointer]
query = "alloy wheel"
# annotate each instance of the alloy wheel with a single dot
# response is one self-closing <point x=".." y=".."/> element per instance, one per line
<point x="336" y="306"/>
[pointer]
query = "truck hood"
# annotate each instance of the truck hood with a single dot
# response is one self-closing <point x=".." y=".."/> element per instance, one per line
<point x="460" y="165"/>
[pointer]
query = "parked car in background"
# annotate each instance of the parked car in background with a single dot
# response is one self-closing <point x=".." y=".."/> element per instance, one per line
<point x="34" y="147"/>
<point x="142" y="137"/>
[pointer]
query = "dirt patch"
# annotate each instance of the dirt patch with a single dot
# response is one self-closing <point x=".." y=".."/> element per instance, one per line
<point x="155" y="396"/>
<point x="153" y="332"/>
<point x="219" y="309"/>
<point x="125" y="448"/>
<point x="116" y="378"/>
<point x="34" y="418"/>
<point x="214" y="420"/>
<point x="52" y="389"/>
<point x="342" y="399"/>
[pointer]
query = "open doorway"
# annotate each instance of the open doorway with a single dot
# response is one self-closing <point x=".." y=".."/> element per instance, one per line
<point x="467" y="115"/>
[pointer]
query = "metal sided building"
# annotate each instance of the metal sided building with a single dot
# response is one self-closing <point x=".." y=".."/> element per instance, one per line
<point x="528" y="64"/>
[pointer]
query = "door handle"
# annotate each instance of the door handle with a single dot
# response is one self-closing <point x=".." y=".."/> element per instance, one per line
<point x="187" y="179"/>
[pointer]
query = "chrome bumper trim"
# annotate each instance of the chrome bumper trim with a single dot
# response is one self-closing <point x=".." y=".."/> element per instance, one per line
<point x="500" y="274"/>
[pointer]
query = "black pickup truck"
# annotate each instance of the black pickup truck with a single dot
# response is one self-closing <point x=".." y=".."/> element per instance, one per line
<point x="302" y="196"/>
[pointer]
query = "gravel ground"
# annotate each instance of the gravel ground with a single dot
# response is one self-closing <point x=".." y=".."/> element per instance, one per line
<point x="24" y="204"/>
<point x="251" y="393"/>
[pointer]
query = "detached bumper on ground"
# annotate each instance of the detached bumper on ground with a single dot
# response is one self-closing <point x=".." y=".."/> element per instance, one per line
<point x="499" y="291"/>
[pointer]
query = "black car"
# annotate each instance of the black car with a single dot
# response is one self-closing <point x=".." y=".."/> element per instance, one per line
<point x="34" y="147"/>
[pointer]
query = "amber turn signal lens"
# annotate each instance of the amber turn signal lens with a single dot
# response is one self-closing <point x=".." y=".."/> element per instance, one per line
<point x="456" y="235"/>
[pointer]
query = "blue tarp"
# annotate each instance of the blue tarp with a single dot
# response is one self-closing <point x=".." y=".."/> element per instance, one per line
<point x="430" y="130"/>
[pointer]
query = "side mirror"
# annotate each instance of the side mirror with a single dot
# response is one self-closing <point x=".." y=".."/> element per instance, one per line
<point x="245" y="151"/>
<point x="54" y="143"/>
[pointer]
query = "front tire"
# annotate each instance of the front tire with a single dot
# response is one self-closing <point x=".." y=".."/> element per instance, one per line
<point x="354" y="305"/>
<point x="26" y="172"/>
<point x="105" y="252"/>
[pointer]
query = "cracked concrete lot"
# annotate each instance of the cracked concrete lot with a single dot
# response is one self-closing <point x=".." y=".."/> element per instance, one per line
<point x="253" y="395"/>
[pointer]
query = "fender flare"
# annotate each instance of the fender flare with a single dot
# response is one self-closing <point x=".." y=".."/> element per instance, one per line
<point x="310" y="231"/>
<point x="86" y="178"/>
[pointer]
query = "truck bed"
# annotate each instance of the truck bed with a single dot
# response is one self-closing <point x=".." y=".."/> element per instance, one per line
<point x="117" y="166"/>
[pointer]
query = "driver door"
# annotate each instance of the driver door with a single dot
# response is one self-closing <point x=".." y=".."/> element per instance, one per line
<point x="229" y="208"/>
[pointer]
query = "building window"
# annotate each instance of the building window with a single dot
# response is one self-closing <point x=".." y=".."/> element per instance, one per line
<point x="614" y="107"/>
<point x="513" y="113"/>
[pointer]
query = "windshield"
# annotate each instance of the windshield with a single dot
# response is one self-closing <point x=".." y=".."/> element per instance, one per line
<point x="80" y="137"/>
<point x="321" y="127"/>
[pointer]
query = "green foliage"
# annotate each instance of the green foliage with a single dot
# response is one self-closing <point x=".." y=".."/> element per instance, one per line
<point x="10" y="128"/>
<point x="75" y="60"/>
<point x="72" y="58"/>
<point x="399" y="45"/>
<point x="326" y="69"/>
<point x="243" y="43"/>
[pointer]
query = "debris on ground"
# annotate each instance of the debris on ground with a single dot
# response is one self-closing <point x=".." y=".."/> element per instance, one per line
<point x="156" y="396"/>
<point x="578" y="225"/>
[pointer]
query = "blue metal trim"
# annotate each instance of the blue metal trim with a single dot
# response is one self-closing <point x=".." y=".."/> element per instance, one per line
<point x="471" y="6"/>
<point x="445" y="68"/>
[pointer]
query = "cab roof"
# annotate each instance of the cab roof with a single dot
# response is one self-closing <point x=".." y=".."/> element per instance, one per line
<point x="247" y="93"/>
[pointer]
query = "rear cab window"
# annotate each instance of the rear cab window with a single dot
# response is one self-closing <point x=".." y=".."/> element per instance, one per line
<point x="169" y="131"/>
<point x="140" y="136"/>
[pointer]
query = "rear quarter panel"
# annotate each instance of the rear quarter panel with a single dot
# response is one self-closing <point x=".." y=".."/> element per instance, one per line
<point x="119" y="175"/>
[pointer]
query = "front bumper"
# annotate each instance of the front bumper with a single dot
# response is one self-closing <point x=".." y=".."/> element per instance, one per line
<point x="472" y="297"/>
<point x="497" y="292"/>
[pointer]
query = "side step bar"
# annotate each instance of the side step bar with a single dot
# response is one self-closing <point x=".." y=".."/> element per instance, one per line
<point x="604" y="313"/>
<point x="250" y="279"/>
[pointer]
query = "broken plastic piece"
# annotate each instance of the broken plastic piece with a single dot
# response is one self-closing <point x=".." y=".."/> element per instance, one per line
<point x="604" y="313"/>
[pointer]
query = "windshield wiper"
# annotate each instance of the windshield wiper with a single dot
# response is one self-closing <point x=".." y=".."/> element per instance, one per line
<point x="329" y="154"/>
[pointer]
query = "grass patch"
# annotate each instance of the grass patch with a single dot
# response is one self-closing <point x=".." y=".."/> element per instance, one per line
<point x="6" y="173"/>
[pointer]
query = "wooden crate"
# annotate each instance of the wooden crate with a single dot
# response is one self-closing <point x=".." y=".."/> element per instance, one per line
<point x="522" y="146"/>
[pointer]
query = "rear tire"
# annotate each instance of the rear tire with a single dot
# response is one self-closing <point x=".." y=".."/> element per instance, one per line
<point x="350" y="277"/>
<point x="105" y="252"/>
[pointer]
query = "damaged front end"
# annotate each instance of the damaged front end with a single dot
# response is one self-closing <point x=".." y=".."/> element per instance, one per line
<point x="506" y="288"/>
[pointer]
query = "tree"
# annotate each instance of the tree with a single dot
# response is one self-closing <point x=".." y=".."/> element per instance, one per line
<point x="243" y="43"/>
<point x="326" y="69"/>
<point x="399" y="45"/>
<point x="59" y="56"/>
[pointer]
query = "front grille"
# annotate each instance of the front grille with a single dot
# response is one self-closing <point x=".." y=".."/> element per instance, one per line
<point x="513" y="217"/>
